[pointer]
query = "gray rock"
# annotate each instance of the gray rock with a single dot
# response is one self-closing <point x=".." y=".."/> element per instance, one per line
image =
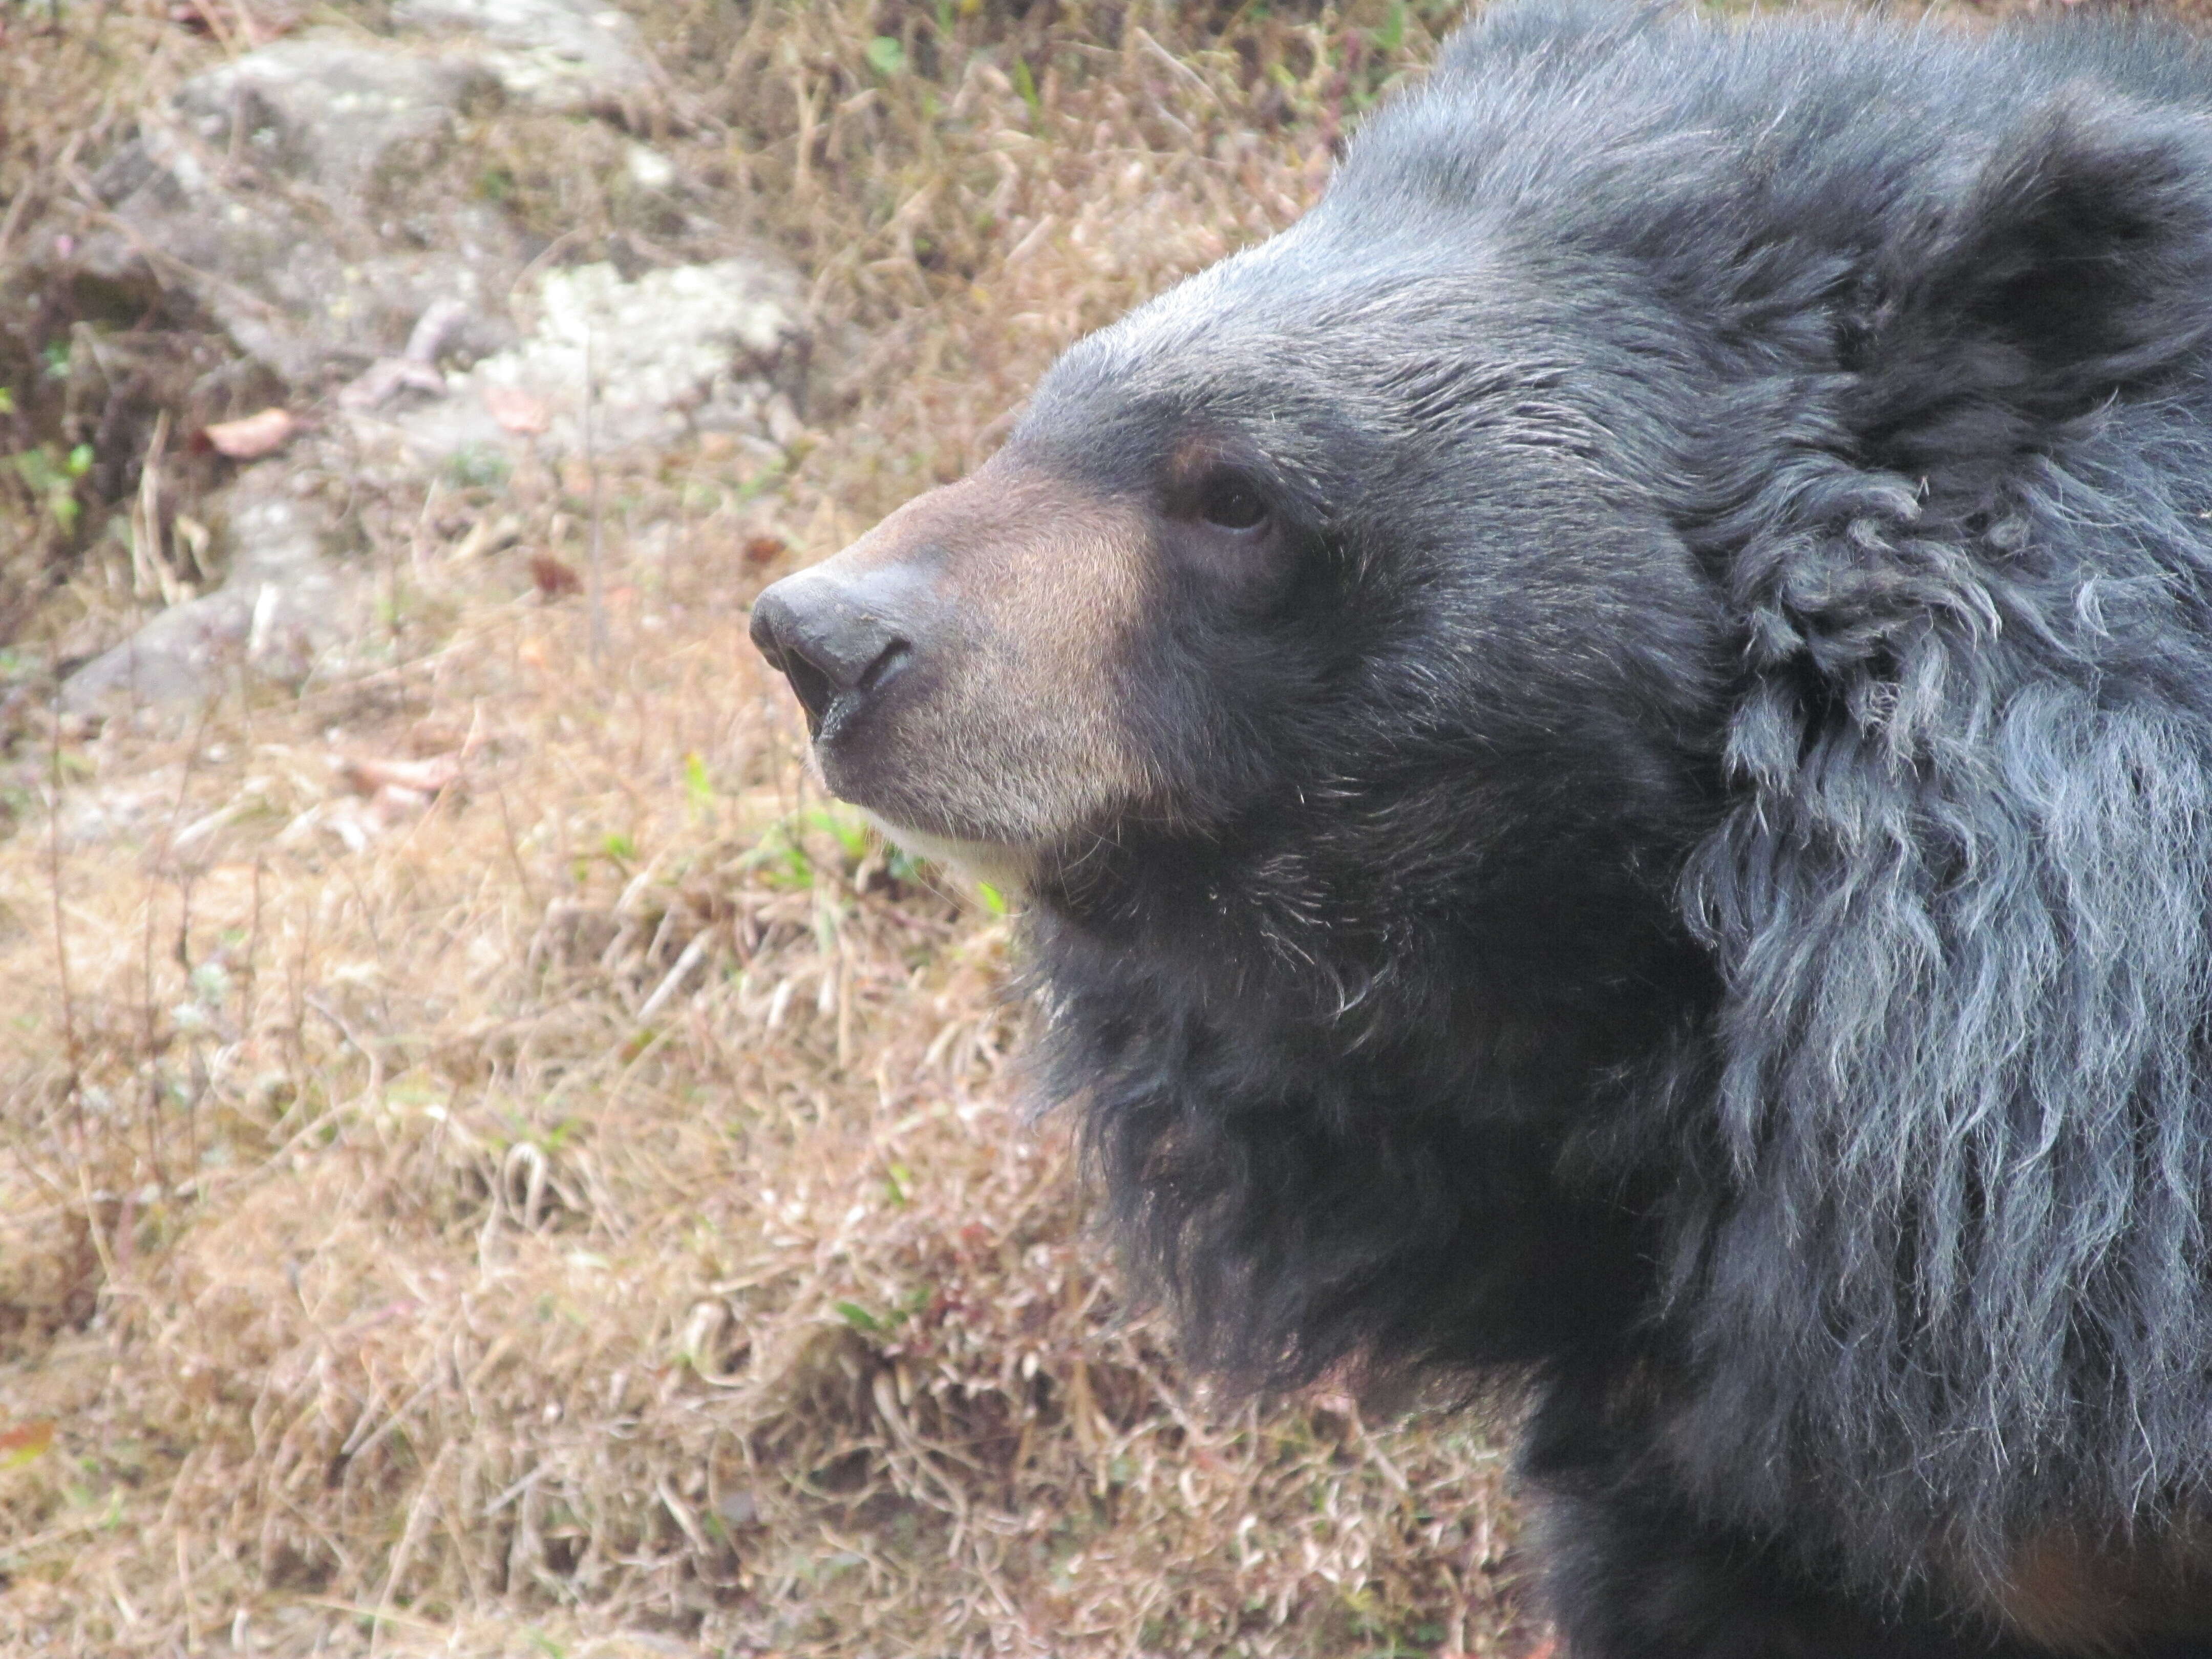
<point x="278" y="192"/>
<point x="711" y="347"/>
<point x="299" y="194"/>
<point x="302" y="197"/>
<point x="716" y="347"/>
<point x="280" y="613"/>
<point x="342" y="115"/>
<point x="559" y="54"/>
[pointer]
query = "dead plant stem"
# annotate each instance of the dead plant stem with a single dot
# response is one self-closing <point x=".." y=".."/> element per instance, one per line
<point x="598" y="606"/>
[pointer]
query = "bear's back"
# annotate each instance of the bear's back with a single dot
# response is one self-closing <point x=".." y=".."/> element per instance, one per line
<point x="1626" y="129"/>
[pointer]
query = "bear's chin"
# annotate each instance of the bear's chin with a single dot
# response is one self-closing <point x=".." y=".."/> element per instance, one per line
<point x="1006" y="870"/>
<point x="1003" y="867"/>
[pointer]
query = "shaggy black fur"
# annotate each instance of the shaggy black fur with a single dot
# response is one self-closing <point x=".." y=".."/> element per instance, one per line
<point x="1692" y="886"/>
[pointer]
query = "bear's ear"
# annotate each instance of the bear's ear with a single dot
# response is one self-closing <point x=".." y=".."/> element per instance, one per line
<point x="2075" y="268"/>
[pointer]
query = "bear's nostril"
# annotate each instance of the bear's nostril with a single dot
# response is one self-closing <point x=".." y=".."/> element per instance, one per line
<point x="894" y="655"/>
<point x="813" y="686"/>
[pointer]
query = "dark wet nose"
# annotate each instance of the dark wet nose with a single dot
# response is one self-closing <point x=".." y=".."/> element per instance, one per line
<point x="826" y="640"/>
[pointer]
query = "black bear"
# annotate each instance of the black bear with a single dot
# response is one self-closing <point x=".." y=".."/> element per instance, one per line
<point x="1610" y="743"/>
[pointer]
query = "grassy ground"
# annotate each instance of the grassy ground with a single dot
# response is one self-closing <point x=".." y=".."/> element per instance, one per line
<point x="588" y="1210"/>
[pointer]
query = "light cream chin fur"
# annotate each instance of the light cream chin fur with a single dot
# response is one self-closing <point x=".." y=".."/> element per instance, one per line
<point x="1003" y="868"/>
<point x="1006" y="869"/>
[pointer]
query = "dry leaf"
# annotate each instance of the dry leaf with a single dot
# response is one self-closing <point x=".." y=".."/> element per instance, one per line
<point x="516" y="410"/>
<point x="554" y="577"/>
<point x="765" y="550"/>
<point x="26" y="1441"/>
<point x="253" y="435"/>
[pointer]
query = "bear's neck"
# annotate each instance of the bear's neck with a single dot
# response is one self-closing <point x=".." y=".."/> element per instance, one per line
<point x="1495" y="991"/>
<point x="1330" y="1108"/>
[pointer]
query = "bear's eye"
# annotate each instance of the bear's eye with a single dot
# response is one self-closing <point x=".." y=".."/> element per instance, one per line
<point x="1228" y="502"/>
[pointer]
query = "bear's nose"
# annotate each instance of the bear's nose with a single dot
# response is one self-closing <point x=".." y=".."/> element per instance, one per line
<point x="827" y="639"/>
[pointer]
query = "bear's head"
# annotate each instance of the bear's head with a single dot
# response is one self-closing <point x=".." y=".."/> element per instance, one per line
<point x="1351" y="514"/>
<point x="1448" y="528"/>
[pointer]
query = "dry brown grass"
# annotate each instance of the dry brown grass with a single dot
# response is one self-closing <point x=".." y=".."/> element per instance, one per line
<point x="591" y="1213"/>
